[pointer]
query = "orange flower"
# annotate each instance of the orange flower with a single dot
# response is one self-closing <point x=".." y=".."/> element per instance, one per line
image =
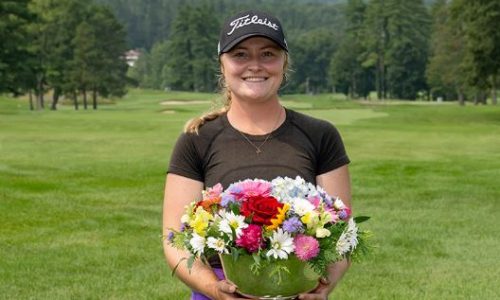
<point x="208" y="204"/>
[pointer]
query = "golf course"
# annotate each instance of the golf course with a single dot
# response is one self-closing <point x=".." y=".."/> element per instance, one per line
<point x="81" y="195"/>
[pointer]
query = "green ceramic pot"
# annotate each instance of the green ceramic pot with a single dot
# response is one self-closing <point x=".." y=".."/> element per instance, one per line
<point x="270" y="283"/>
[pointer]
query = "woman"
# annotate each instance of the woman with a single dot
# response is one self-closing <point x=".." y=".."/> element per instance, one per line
<point x="253" y="136"/>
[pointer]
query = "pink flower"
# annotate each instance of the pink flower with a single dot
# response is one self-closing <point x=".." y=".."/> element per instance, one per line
<point x="253" y="188"/>
<point x="251" y="238"/>
<point x="214" y="192"/>
<point x="334" y="215"/>
<point x="306" y="247"/>
<point x="315" y="200"/>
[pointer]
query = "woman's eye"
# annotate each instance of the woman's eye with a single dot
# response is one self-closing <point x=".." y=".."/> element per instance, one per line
<point x="268" y="54"/>
<point x="239" y="54"/>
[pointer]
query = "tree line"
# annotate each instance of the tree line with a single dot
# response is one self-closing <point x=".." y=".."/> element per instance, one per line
<point x="68" y="47"/>
<point x="445" y="49"/>
<point x="400" y="49"/>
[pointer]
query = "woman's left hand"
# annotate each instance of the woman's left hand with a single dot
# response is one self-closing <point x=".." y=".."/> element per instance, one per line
<point x="319" y="293"/>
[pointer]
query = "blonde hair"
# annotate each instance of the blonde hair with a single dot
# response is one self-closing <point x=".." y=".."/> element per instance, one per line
<point x="193" y="125"/>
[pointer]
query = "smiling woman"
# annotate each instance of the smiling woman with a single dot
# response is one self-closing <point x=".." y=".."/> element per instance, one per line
<point x="252" y="136"/>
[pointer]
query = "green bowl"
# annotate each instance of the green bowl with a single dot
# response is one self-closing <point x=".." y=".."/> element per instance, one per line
<point x="270" y="283"/>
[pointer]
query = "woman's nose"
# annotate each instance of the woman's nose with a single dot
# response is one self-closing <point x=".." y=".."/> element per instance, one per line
<point x="255" y="63"/>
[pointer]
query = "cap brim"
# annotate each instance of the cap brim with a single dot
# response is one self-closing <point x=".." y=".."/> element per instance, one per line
<point x="240" y="39"/>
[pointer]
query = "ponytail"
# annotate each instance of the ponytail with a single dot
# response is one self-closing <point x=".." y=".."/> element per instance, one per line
<point x="193" y="125"/>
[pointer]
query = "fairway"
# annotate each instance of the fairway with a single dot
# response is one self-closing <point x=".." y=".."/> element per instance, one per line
<point x="81" y="196"/>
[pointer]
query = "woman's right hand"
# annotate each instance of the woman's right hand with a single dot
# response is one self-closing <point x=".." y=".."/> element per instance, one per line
<point x="224" y="290"/>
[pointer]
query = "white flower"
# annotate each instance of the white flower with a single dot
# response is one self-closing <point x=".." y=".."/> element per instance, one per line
<point x="198" y="243"/>
<point x="185" y="219"/>
<point x="322" y="232"/>
<point x="217" y="244"/>
<point x="348" y="239"/>
<point x="338" y="204"/>
<point x="281" y="244"/>
<point x="302" y="206"/>
<point x="236" y="222"/>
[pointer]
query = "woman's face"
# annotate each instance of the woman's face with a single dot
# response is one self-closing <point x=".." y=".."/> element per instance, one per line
<point x="253" y="69"/>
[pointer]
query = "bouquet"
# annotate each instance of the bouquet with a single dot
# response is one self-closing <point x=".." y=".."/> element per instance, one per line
<point x="276" y="228"/>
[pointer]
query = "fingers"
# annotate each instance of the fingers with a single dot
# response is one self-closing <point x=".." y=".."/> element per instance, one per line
<point x="226" y="287"/>
<point x="312" y="297"/>
<point x="318" y="293"/>
<point x="324" y="281"/>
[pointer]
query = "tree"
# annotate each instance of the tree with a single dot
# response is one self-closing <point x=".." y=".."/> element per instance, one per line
<point x="445" y="69"/>
<point x="85" y="62"/>
<point x="16" y="61"/>
<point x="408" y="28"/>
<point x="396" y="39"/>
<point x="480" y="21"/>
<point x="312" y="53"/>
<point x="110" y="69"/>
<point x="55" y="27"/>
<point x="346" y="69"/>
<point x="376" y="40"/>
<point x="191" y="61"/>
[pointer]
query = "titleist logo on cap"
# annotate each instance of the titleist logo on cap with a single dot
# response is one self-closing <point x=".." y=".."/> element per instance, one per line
<point x="245" y="21"/>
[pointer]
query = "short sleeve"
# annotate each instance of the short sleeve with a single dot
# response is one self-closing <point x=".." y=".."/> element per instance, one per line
<point x="332" y="153"/>
<point x="185" y="160"/>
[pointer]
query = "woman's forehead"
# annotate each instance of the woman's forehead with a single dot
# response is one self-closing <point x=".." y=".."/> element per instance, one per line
<point x="256" y="41"/>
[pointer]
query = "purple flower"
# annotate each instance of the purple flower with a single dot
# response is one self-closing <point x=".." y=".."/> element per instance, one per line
<point x="226" y="199"/>
<point x="292" y="225"/>
<point x="170" y="236"/>
<point x="344" y="214"/>
<point x="326" y="198"/>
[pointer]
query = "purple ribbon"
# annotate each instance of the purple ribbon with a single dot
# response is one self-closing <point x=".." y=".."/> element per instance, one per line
<point x="198" y="296"/>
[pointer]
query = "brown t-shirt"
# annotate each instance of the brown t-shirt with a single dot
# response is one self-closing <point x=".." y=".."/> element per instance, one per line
<point x="301" y="146"/>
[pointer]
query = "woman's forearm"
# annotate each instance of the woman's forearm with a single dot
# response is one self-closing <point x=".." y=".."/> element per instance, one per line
<point x="336" y="271"/>
<point x="200" y="278"/>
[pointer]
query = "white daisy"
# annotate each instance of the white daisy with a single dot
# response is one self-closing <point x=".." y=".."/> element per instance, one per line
<point x="281" y="244"/>
<point x="198" y="243"/>
<point x="217" y="244"/>
<point x="236" y="222"/>
<point x="348" y="239"/>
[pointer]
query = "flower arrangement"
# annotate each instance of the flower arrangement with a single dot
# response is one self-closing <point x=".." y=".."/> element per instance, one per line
<point x="271" y="221"/>
<point x="282" y="225"/>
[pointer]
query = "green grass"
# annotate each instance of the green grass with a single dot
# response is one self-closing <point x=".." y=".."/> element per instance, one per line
<point x="81" y="197"/>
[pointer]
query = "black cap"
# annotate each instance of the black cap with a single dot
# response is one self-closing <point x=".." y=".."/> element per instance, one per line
<point x="247" y="24"/>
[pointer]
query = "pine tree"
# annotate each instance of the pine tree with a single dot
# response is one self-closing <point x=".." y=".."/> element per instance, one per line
<point x="444" y="72"/>
<point x="192" y="50"/>
<point x="408" y="29"/>
<point x="16" y="61"/>
<point x="346" y="69"/>
<point x="480" y="21"/>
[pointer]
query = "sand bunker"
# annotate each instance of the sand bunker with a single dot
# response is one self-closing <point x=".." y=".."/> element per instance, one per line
<point x="184" y="102"/>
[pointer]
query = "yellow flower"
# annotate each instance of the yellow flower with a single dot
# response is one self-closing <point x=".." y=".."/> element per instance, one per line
<point x="279" y="218"/>
<point x="311" y="219"/>
<point x="200" y="221"/>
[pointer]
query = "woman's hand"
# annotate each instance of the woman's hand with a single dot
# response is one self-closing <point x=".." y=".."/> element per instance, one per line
<point x="321" y="292"/>
<point x="224" y="290"/>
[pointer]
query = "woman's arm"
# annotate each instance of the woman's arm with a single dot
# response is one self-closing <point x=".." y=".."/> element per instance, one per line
<point x="179" y="192"/>
<point x="336" y="183"/>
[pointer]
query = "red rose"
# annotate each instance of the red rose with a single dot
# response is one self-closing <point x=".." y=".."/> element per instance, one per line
<point x="262" y="209"/>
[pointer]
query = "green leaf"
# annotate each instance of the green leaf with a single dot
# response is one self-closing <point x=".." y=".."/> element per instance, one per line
<point x="361" y="219"/>
<point x="176" y="266"/>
